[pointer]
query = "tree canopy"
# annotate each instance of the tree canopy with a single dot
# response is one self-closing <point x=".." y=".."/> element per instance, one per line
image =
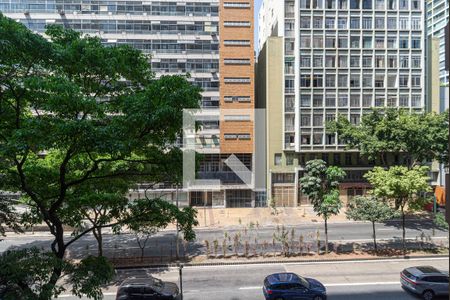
<point x="421" y="137"/>
<point x="321" y="184"/>
<point x="77" y="117"/>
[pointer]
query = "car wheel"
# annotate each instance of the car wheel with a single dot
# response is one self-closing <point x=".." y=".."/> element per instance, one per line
<point x="428" y="295"/>
<point x="317" y="298"/>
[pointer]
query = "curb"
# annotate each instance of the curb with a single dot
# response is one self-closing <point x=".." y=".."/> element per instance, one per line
<point x="281" y="261"/>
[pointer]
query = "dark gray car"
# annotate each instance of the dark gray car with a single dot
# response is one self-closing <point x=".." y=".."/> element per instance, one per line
<point x="426" y="281"/>
<point x="149" y="288"/>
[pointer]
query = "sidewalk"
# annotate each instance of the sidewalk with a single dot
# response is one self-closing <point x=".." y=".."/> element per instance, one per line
<point x="261" y="216"/>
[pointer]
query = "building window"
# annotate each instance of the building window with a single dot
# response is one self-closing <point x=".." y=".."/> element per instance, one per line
<point x="367" y="61"/>
<point x="237" y="80"/>
<point x="318" y="61"/>
<point x="354" y="81"/>
<point x="318" y="138"/>
<point x="392" y="101"/>
<point x="305" y="80"/>
<point x="367" y="4"/>
<point x="236" y="118"/>
<point x="330" y="80"/>
<point x="317" y="80"/>
<point x="392" y="61"/>
<point x="403" y="23"/>
<point x="415" y="61"/>
<point x="367" y="23"/>
<point x="305" y="4"/>
<point x="236" y="5"/>
<point x="379" y="22"/>
<point x="237" y="61"/>
<point x="415" y="80"/>
<point x="329" y="23"/>
<point x="318" y="22"/>
<point x="415" y="100"/>
<point x="318" y="41"/>
<point x="391" y="4"/>
<point x="367" y="80"/>
<point x="342" y="23"/>
<point x="415" y="43"/>
<point x="305" y="100"/>
<point x="379" y="101"/>
<point x="379" y="80"/>
<point x="318" y="120"/>
<point x="403" y="101"/>
<point x="343" y="80"/>
<point x="305" y="22"/>
<point x="277" y="159"/>
<point x="355" y="23"/>
<point x="330" y="101"/>
<point x="404" y="61"/>
<point x="236" y="24"/>
<point x="355" y="4"/>
<point x="317" y="100"/>
<point x="403" y="80"/>
<point x="343" y="101"/>
<point x="245" y="43"/>
<point x="342" y="42"/>
<point x="403" y="4"/>
<point x="305" y="120"/>
<point x="330" y="4"/>
<point x="305" y="41"/>
<point x="330" y="61"/>
<point x="367" y="101"/>
<point x="379" y="4"/>
<point x="392" y="80"/>
<point x="355" y="101"/>
<point x="379" y="61"/>
<point x="392" y="23"/>
<point x="354" y="41"/>
<point x="305" y="61"/>
<point x="343" y="61"/>
<point x="367" y="42"/>
<point x="330" y="42"/>
<point x="305" y="139"/>
<point x="354" y="61"/>
<point x="415" y="4"/>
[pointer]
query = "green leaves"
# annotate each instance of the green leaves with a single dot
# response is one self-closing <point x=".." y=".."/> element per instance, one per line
<point x="369" y="208"/>
<point x="400" y="184"/>
<point x="321" y="185"/>
<point x="420" y="136"/>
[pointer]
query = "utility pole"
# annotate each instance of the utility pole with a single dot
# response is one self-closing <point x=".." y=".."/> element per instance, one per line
<point x="180" y="270"/>
<point x="447" y="67"/>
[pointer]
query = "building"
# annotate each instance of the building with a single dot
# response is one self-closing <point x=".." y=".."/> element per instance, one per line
<point x="437" y="18"/>
<point x="325" y="58"/>
<point x="210" y="39"/>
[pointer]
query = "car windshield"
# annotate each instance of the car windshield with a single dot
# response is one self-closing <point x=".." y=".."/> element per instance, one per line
<point x="158" y="285"/>
<point x="304" y="282"/>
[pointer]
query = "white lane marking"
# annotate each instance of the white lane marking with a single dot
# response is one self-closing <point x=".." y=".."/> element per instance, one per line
<point x="69" y="295"/>
<point x="363" y="283"/>
<point x="250" y="288"/>
<point x="336" y="284"/>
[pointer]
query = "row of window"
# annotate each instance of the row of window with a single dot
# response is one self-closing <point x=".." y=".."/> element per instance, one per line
<point x="155" y="8"/>
<point x="361" y="4"/>
<point x="237" y="80"/>
<point x="240" y="136"/>
<point x="357" y="23"/>
<point x="240" y="99"/>
<point x="236" y="5"/>
<point x="190" y="65"/>
<point x="356" y="80"/>
<point x="169" y="46"/>
<point x="129" y="26"/>
<point x="358" y="41"/>
<point x="366" y="61"/>
<point x="357" y="101"/>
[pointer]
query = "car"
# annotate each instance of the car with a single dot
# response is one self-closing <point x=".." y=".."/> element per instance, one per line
<point x="425" y="281"/>
<point x="148" y="288"/>
<point x="290" y="286"/>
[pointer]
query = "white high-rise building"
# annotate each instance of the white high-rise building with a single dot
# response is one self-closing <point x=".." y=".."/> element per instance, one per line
<point x="340" y="57"/>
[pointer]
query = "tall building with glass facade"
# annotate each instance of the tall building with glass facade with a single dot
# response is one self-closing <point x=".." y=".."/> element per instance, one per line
<point x="212" y="40"/>
<point x="340" y="57"/>
<point x="437" y="18"/>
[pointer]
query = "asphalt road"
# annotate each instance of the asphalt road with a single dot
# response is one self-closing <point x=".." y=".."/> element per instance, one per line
<point x="164" y="242"/>
<point x="344" y="280"/>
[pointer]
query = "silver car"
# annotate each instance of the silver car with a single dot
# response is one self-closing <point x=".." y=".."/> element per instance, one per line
<point x="426" y="281"/>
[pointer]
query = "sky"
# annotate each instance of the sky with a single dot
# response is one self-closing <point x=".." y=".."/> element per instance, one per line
<point x="257" y="6"/>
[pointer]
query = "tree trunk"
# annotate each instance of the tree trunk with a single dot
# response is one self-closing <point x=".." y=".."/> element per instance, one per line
<point x="326" y="236"/>
<point x="404" y="230"/>
<point x="99" y="237"/>
<point x="374" y="239"/>
<point x="59" y="250"/>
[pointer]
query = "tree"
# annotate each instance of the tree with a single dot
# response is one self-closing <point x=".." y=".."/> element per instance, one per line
<point x="321" y="184"/>
<point x="369" y="208"/>
<point x="75" y="113"/>
<point x="420" y="137"/>
<point x="405" y="187"/>
<point x="9" y="217"/>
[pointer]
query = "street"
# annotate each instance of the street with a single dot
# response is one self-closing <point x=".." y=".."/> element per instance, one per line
<point x="164" y="242"/>
<point x="344" y="280"/>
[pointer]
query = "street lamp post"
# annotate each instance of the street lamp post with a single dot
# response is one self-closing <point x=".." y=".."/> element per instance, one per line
<point x="178" y="231"/>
